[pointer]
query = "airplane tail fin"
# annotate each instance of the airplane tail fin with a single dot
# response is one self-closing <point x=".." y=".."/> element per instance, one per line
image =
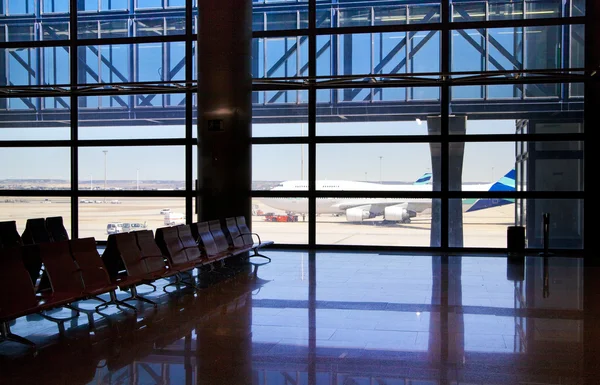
<point x="506" y="183"/>
<point x="424" y="179"/>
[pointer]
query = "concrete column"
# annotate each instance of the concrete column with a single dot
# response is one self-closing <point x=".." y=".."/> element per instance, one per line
<point x="224" y="109"/>
<point x="458" y="126"/>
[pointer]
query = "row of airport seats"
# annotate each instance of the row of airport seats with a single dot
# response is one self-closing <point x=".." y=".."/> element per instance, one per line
<point x="37" y="231"/>
<point x="175" y="250"/>
<point x="77" y="272"/>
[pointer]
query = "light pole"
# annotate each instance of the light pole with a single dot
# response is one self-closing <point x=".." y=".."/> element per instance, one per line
<point x="380" y="178"/>
<point x="105" y="153"/>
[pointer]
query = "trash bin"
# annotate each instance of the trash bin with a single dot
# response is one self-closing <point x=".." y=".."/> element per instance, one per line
<point x="515" y="239"/>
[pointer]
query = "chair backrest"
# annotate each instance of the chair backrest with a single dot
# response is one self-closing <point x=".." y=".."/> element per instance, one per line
<point x="61" y="268"/>
<point x="9" y="235"/>
<point x="153" y="257"/>
<point x="30" y="254"/>
<point x="86" y="255"/>
<point x="35" y="232"/>
<point x="57" y="229"/>
<point x="245" y="230"/>
<point x="206" y="238"/>
<point x="130" y="254"/>
<point x="169" y="243"/>
<point x="17" y="290"/>
<point x="189" y="243"/>
<point x="111" y="258"/>
<point x="234" y="232"/>
<point x="218" y="235"/>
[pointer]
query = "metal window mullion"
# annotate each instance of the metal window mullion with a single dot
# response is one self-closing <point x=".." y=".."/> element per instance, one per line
<point x="166" y="54"/>
<point x="312" y="122"/>
<point x="73" y="51"/>
<point x="408" y="65"/>
<point x="445" y="41"/>
<point x="264" y="76"/>
<point x="406" y="89"/>
<point x="523" y="53"/>
<point x="298" y="53"/>
<point x="372" y="48"/>
<point x="189" y="113"/>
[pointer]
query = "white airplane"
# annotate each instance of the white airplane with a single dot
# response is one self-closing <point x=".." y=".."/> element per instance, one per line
<point x="392" y="209"/>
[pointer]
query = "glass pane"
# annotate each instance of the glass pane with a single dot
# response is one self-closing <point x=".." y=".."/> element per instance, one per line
<point x="22" y="208"/>
<point x="274" y="163"/>
<point x="111" y="117"/>
<point x="55" y="31"/>
<point x="551" y="166"/>
<point x="20" y="119"/>
<point x="280" y="57"/>
<point x="368" y="116"/>
<point x="345" y="14"/>
<point x="578" y="7"/>
<point x="35" y="168"/>
<point x="470" y="11"/>
<point x="132" y="168"/>
<point x="141" y="4"/>
<point x="21" y="32"/>
<point x="381" y="53"/>
<point x="113" y="63"/>
<point x="98" y="216"/>
<point x="373" y="167"/>
<point x="278" y="121"/>
<point x="293" y="15"/>
<point x="520" y="100"/>
<point x="485" y="221"/>
<point x="375" y="222"/>
<point x="20" y="7"/>
<point x="149" y="27"/>
<point x="509" y="49"/>
<point x="536" y="9"/>
<point x="355" y="17"/>
<point x="277" y="225"/>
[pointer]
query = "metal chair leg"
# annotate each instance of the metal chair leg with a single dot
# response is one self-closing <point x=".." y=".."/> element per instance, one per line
<point x="137" y="297"/>
<point x="114" y="301"/>
<point x="7" y="335"/>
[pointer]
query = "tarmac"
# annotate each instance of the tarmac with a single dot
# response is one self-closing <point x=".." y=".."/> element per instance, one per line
<point x="485" y="228"/>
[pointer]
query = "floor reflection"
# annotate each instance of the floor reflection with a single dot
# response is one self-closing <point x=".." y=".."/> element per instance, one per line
<point x="341" y="318"/>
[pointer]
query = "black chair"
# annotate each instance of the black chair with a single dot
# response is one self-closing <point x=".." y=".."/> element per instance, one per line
<point x="9" y="235"/>
<point x="57" y="229"/>
<point x="36" y="232"/>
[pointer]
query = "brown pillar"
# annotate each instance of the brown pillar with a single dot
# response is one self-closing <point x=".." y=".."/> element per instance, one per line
<point x="224" y="109"/>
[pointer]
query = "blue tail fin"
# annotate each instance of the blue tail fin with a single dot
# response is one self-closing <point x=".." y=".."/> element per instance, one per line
<point x="506" y="183"/>
<point x="424" y="179"/>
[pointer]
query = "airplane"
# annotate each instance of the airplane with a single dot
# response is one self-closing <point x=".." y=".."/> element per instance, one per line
<point x="393" y="209"/>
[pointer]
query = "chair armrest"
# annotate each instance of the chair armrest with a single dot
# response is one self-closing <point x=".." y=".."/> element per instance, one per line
<point x="257" y="236"/>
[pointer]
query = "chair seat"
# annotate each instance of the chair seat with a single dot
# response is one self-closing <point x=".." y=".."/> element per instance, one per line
<point x="51" y="300"/>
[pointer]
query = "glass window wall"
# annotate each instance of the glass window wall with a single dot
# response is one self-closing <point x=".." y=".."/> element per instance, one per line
<point x="379" y="98"/>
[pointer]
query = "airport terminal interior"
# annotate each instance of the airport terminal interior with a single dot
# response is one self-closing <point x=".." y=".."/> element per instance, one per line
<point x="297" y="192"/>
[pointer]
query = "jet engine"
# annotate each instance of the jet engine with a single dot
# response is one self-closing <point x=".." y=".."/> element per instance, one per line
<point x="398" y="213"/>
<point x="357" y="214"/>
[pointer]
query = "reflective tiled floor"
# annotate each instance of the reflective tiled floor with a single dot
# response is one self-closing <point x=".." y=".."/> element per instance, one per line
<point x="338" y="318"/>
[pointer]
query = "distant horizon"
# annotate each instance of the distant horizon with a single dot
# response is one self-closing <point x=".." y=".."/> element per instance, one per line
<point x="101" y="181"/>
